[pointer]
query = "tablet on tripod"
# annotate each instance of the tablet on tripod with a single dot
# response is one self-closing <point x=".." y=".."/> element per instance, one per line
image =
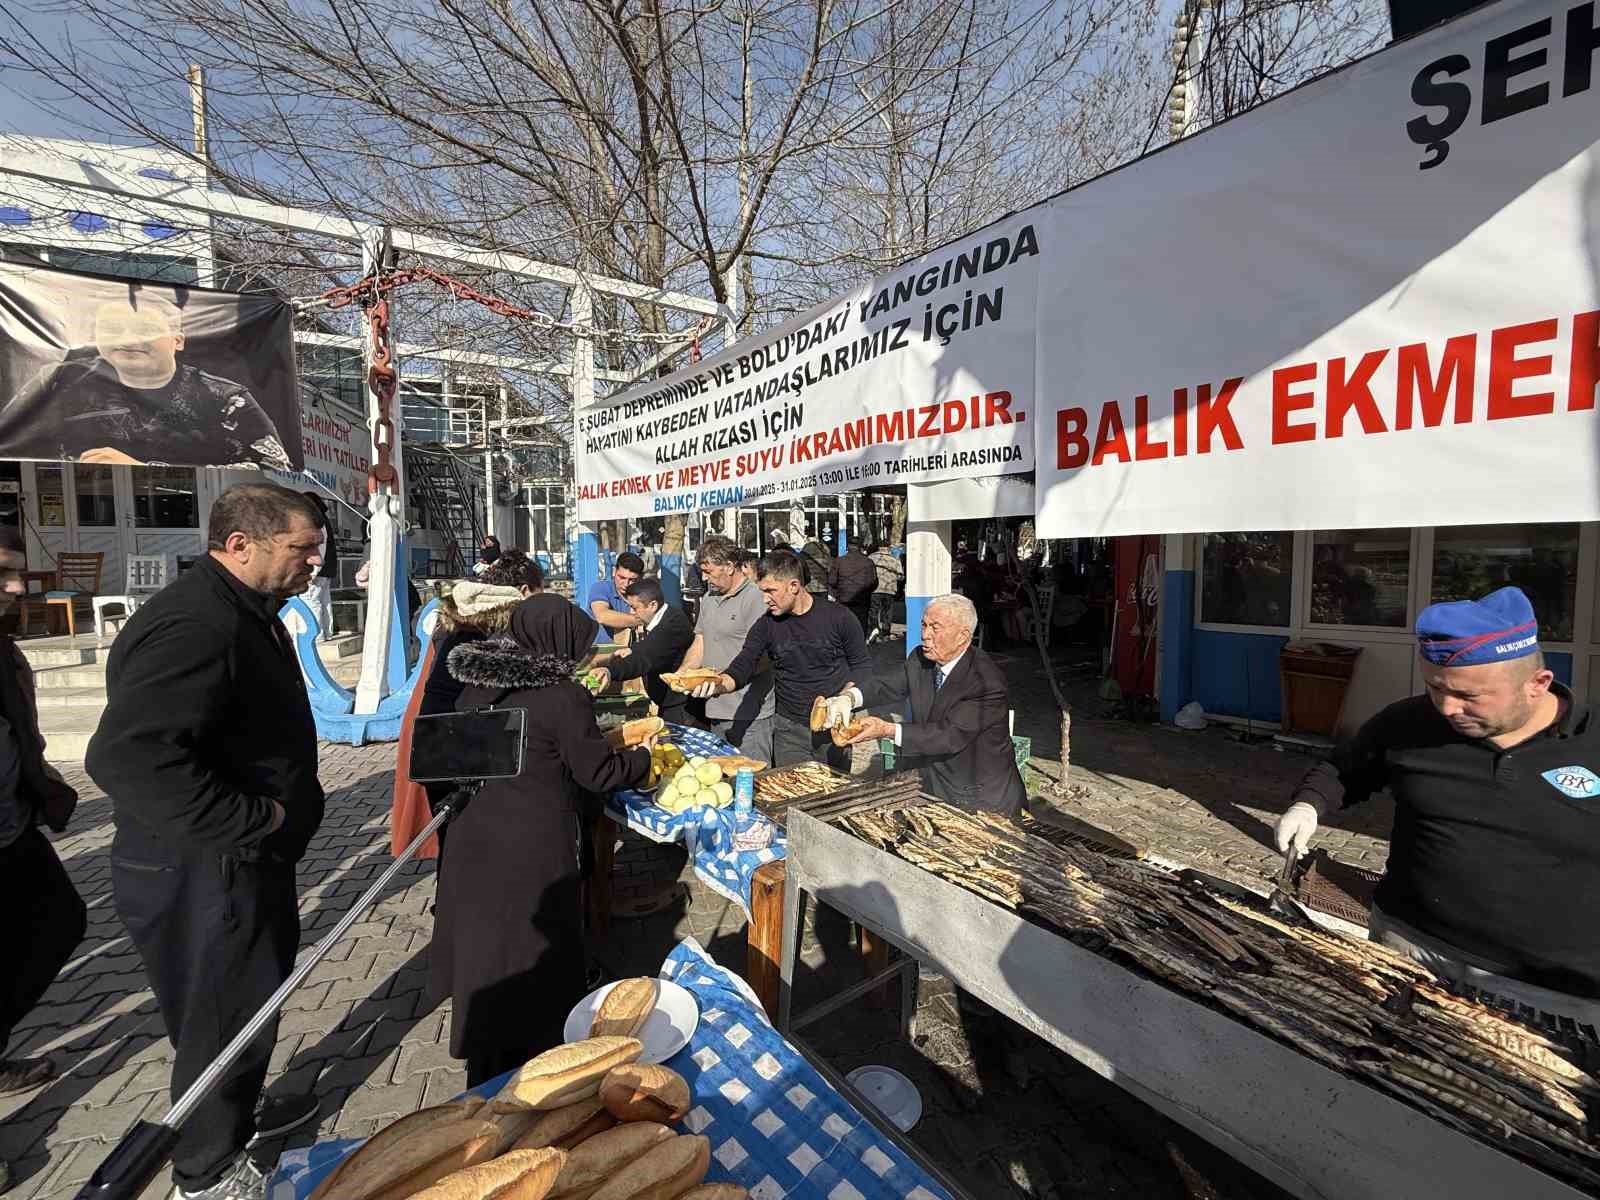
<point x="482" y="744"/>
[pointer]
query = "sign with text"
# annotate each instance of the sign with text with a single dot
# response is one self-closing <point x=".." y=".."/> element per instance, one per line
<point x="924" y="373"/>
<point x="1372" y="302"/>
<point x="338" y="450"/>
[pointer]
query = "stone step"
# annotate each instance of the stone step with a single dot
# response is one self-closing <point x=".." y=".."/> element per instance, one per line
<point x="71" y="697"/>
<point x="67" y="731"/>
<point x="62" y="652"/>
<point x="345" y="645"/>
<point x="86" y="675"/>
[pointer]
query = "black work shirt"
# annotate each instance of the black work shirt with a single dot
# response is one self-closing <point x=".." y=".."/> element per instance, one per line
<point x="813" y="654"/>
<point x="1495" y="851"/>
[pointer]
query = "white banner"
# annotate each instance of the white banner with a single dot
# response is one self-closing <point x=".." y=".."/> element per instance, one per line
<point x="922" y="374"/>
<point x="1371" y="302"/>
<point x="338" y="452"/>
<point x="971" y="499"/>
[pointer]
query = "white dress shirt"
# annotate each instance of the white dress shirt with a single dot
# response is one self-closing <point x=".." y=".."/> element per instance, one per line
<point x="857" y="700"/>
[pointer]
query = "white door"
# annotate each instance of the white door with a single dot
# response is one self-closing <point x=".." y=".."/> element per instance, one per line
<point x="159" y="509"/>
<point x="96" y="517"/>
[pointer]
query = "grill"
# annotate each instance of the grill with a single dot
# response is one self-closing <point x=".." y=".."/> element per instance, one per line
<point x="1315" y="1128"/>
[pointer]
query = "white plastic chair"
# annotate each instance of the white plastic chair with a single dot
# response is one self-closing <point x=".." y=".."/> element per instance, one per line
<point x="147" y="575"/>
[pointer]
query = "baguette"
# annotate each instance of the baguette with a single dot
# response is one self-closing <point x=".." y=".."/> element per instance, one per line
<point x="565" y="1073"/>
<point x="550" y="1128"/>
<point x="640" y="1092"/>
<point x="687" y="681"/>
<point x="595" y="1125"/>
<point x="625" y="1008"/>
<point x="637" y="732"/>
<point x="513" y="1127"/>
<point x="716" y="1191"/>
<point x="819" y="714"/>
<point x="602" y="1156"/>
<point x="663" y="1173"/>
<point x="377" y="1147"/>
<point x="519" y="1175"/>
<point x="418" y="1163"/>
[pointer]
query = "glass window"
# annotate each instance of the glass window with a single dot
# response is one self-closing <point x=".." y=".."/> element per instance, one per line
<point x="97" y="501"/>
<point x="1360" y="577"/>
<point x="1470" y="561"/>
<point x="51" y="503"/>
<point x="1246" y="578"/>
<point x="749" y="531"/>
<point x="164" y="498"/>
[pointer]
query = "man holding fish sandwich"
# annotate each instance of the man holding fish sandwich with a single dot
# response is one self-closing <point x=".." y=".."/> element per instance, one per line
<point x="957" y="717"/>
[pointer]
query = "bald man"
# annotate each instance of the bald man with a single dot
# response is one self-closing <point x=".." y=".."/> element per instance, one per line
<point x="1494" y="863"/>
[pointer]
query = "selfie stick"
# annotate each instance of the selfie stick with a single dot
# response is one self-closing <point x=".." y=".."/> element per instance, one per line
<point x="145" y="1148"/>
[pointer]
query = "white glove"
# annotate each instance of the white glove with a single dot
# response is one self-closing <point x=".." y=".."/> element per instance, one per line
<point x="1295" y="827"/>
<point x="839" y="710"/>
<point x="706" y="690"/>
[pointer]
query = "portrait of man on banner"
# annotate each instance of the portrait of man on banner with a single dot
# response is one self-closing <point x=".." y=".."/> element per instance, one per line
<point x="144" y="373"/>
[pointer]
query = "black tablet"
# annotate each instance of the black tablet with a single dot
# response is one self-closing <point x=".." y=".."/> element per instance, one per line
<point x="483" y="744"/>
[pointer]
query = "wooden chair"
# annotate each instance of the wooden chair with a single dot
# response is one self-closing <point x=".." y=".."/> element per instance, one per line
<point x="76" y="584"/>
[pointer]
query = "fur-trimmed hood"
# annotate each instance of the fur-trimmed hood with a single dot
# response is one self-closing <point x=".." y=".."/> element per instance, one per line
<point x="500" y="662"/>
<point x="478" y="606"/>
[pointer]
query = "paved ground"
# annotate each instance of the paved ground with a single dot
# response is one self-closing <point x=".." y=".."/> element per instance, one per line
<point x="1005" y="1112"/>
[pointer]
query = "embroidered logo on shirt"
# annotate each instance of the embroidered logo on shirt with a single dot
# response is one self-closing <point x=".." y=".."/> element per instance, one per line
<point x="1578" y="782"/>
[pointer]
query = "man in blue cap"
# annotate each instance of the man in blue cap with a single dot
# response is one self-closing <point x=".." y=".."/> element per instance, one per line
<point x="1494" y="863"/>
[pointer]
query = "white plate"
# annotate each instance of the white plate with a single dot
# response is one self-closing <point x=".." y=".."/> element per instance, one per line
<point x="891" y="1093"/>
<point x="665" y="1031"/>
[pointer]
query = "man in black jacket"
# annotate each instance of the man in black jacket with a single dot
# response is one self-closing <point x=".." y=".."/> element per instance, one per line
<point x="44" y="916"/>
<point x="660" y="643"/>
<point x="956" y="726"/>
<point x="209" y="753"/>
<point x="852" y="579"/>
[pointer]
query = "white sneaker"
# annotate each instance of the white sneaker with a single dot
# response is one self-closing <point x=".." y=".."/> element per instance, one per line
<point x="243" y="1181"/>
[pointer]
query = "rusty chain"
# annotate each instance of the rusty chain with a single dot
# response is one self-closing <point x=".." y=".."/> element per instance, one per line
<point x="384" y="381"/>
<point x="370" y="289"/>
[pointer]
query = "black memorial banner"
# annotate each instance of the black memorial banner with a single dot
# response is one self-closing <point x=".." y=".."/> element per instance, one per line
<point x="95" y="369"/>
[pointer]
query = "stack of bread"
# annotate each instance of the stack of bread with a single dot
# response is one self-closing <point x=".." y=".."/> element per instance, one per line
<point x="584" y="1121"/>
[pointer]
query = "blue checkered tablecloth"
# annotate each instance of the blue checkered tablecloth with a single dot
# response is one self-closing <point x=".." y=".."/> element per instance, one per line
<point x="775" y="1125"/>
<point x="707" y="833"/>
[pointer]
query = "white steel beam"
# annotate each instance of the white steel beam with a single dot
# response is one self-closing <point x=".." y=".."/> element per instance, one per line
<point x="475" y="358"/>
<point x="185" y="197"/>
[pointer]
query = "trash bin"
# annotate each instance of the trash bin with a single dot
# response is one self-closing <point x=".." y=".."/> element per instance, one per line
<point x="1314" y="677"/>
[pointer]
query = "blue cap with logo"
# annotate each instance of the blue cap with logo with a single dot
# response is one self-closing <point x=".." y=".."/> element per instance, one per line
<point x="1465" y="633"/>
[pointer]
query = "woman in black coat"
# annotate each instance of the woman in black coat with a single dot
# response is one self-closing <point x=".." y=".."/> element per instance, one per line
<point x="508" y="928"/>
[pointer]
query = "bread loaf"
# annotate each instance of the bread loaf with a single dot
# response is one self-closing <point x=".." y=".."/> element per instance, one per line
<point x="565" y="1073"/>
<point x="596" y="1124"/>
<point x="640" y="1092"/>
<point x="625" y="1008"/>
<point x="602" y="1156"/>
<point x="664" y="1173"/>
<point x="550" y="1128"/>
<point x="513" y="1127"/>
<point x="637" y="732"/>
<point x="716" y="1191"/>
<point x="378" y="1146"/>
<point x="842" y="734"/>
<point x="819" y="714"/>
<point x="687" y="681"/>
<point x="398" y="1170"/>
<point x="519" y="1175"/>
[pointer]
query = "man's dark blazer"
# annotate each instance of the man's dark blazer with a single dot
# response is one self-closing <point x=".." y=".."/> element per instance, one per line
<point x="958" y="735"/>
<point x="661" y="649"/>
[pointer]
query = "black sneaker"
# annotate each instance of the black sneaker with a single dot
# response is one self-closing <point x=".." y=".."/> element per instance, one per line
<point x="274" y="1118"/>
<point x="244" y="1181"/>
<point x="24" y="1074"/>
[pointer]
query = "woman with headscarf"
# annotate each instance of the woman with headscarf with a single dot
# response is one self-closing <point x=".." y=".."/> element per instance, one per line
<point x="508" y="929"/>
<point x="488" y="553"/>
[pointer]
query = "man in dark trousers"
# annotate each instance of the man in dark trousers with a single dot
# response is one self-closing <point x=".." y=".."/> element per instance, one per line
<point x="660" y="641"/>
<point x="44" y="916"/>
<point x="815" y="647"/>
<point x="209" y="753"/>
<point x="852" y="578"/>
<point x="956" y="723"/>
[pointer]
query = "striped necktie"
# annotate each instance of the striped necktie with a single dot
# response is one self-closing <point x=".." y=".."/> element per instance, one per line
<point x="938" y="678"/>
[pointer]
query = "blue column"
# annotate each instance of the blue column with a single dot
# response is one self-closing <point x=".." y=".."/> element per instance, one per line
<point x="395" y="667"/>
<point x="1177" y="641"/>
<point x="671" y="568"/>
<point x="927" y="572"/>
<point x="585" y="565"/>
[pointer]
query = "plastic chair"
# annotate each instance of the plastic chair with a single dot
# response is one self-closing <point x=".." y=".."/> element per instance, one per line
<point x="147" y="575"/>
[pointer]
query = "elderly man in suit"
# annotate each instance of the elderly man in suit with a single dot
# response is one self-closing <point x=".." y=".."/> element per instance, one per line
<point x="956" y="724"/>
